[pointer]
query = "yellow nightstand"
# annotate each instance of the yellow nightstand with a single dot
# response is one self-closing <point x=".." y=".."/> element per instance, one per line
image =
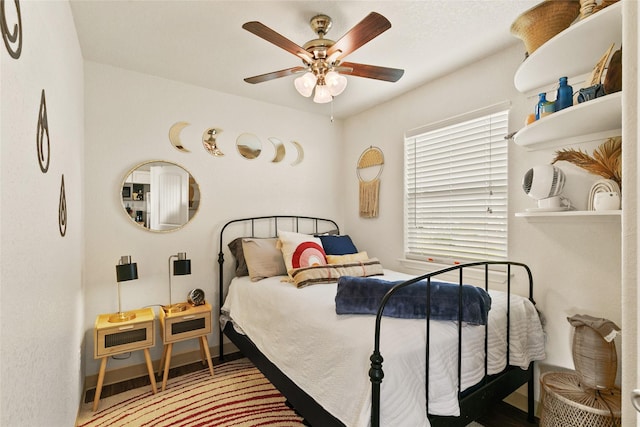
<point x="111" y="338"/>
<point x="194" y="322"/>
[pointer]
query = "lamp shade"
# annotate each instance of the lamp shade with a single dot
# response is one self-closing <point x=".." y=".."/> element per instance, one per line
<point x="305" y="84"/>
<point x="128" y="271"/>
<point x="181" y="267"/>
<point x="336" y="83"/>
<point x="322" y="95"/>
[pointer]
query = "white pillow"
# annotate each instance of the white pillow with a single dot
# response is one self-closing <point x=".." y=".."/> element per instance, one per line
<point x="300" y="250"/>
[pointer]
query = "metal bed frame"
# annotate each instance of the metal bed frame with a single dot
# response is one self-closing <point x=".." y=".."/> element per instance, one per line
<point x="473" y="401"/>
<point x="492" y="388"/>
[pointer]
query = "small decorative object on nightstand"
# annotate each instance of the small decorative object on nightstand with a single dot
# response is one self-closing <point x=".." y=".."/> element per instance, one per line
<point x="110" y="339"/>
<point x="193" y="322"/>
<point x="196" y="297"/>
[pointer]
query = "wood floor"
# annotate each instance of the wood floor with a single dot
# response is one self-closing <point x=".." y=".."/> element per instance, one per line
<point x="505" y="415"/>
<point x="501" y="415"/>
<point x="111" y="389"/>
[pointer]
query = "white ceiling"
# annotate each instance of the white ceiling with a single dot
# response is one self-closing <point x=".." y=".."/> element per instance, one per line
<point x="203" y="43"/>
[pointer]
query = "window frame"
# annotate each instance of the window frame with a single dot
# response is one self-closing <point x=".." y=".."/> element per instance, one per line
<point x="446" y="244"/>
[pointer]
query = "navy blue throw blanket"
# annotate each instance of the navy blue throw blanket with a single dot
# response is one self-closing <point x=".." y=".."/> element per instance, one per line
<point x="362" y="295"/>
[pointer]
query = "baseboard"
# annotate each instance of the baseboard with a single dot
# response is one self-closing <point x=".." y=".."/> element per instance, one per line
<point x="115" y="376"/>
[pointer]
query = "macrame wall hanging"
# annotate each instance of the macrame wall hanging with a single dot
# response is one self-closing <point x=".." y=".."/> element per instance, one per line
<point x="370" y="187"/>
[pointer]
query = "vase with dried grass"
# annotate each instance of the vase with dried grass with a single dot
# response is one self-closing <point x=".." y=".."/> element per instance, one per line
<point x="606" y="160"/>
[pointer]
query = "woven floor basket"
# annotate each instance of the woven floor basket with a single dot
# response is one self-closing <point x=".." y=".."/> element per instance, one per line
<point x="540" y="23"/>
<point x="566" y="404"/>
<point x="595" y="359"/>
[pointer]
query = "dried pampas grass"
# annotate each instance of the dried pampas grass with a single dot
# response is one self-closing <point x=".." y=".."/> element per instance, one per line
<point x="606" y="160"/>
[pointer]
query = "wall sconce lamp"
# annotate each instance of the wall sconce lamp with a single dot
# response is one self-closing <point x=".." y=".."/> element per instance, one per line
<point x="125" y="271"/>
<point x="181" y="267"/>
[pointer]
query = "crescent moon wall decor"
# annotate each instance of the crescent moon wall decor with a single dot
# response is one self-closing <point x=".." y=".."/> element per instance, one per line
<point x="280" y="150"/>
<point x="174" y="136"/>
<point x="300" y="157"/>
<point x="62" y="209"/>
<point x="209" y="142"/>
<point x="15" y="37"/>
<point x="43" y="129"/>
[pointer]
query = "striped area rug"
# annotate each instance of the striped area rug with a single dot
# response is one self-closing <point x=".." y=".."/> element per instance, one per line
<point x="238" y="395"/>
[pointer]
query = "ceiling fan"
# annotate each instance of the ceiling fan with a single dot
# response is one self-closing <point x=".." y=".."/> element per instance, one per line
<point x="322" y="58"/>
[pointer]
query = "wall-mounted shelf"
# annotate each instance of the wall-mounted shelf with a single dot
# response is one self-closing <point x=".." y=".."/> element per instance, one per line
<point x="580" y="47"/>
<point x="596" y="119"/>
<point x="573" y="52"/>
<point x="609" y="215"/>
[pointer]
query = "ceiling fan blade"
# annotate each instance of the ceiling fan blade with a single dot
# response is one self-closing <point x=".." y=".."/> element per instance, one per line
<point x="370" y="27"/>
<point x="271" y="36"/>
<point x="370" y="71"/>
<point x="275" y="75"/>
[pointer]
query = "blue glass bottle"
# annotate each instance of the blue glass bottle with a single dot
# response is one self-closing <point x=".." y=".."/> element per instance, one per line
<point x="542" y="99"/>
<point x="564" y="98"/>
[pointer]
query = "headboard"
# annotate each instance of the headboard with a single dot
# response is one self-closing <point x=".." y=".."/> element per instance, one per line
<point x="263" y="226"/>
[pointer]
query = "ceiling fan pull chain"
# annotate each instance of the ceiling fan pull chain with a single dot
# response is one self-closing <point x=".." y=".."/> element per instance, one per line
<point x="332" y="109"/>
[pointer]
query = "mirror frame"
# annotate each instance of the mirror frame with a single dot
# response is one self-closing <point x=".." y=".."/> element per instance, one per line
<point x="123" y="184"/>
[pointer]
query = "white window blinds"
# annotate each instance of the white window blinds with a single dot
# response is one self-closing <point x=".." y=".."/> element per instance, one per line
<point x="456" y="188"/>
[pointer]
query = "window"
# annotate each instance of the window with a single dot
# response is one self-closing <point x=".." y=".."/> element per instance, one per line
<point x="456" y="188"/>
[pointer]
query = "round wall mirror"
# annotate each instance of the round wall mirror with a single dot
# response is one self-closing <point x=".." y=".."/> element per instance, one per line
<point x="249" y="146"/>
<point x="159" y="196"/>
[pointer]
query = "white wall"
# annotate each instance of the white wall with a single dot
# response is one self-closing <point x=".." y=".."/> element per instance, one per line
<point x="575" y="262"/>
<point x="128" y="116"/>
<point x="631" y="158"/>
<point x="41" y="272"/>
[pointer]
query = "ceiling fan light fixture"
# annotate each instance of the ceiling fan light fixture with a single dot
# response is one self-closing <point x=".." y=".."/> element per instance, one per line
<point x="323" y="95"/>
<point x="336" y="83"/>
<point x="305" y="84"/>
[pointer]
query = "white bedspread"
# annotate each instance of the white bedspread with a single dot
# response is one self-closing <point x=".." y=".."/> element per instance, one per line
<point x="327" y="354"/>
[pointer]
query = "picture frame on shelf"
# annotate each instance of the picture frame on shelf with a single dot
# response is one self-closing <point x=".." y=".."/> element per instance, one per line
<point x="126" y="192"/>
<point x="598" y="69"/>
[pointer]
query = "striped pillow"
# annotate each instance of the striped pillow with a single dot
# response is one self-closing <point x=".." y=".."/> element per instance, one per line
<point x="348" y="258"/>
<point x="330" y="273"/>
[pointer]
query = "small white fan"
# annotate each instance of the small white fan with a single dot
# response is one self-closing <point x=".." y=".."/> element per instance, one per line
<point x="545" y="183"/>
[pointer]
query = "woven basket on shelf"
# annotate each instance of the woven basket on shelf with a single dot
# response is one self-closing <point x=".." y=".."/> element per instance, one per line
<point x="543" y="21"/>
